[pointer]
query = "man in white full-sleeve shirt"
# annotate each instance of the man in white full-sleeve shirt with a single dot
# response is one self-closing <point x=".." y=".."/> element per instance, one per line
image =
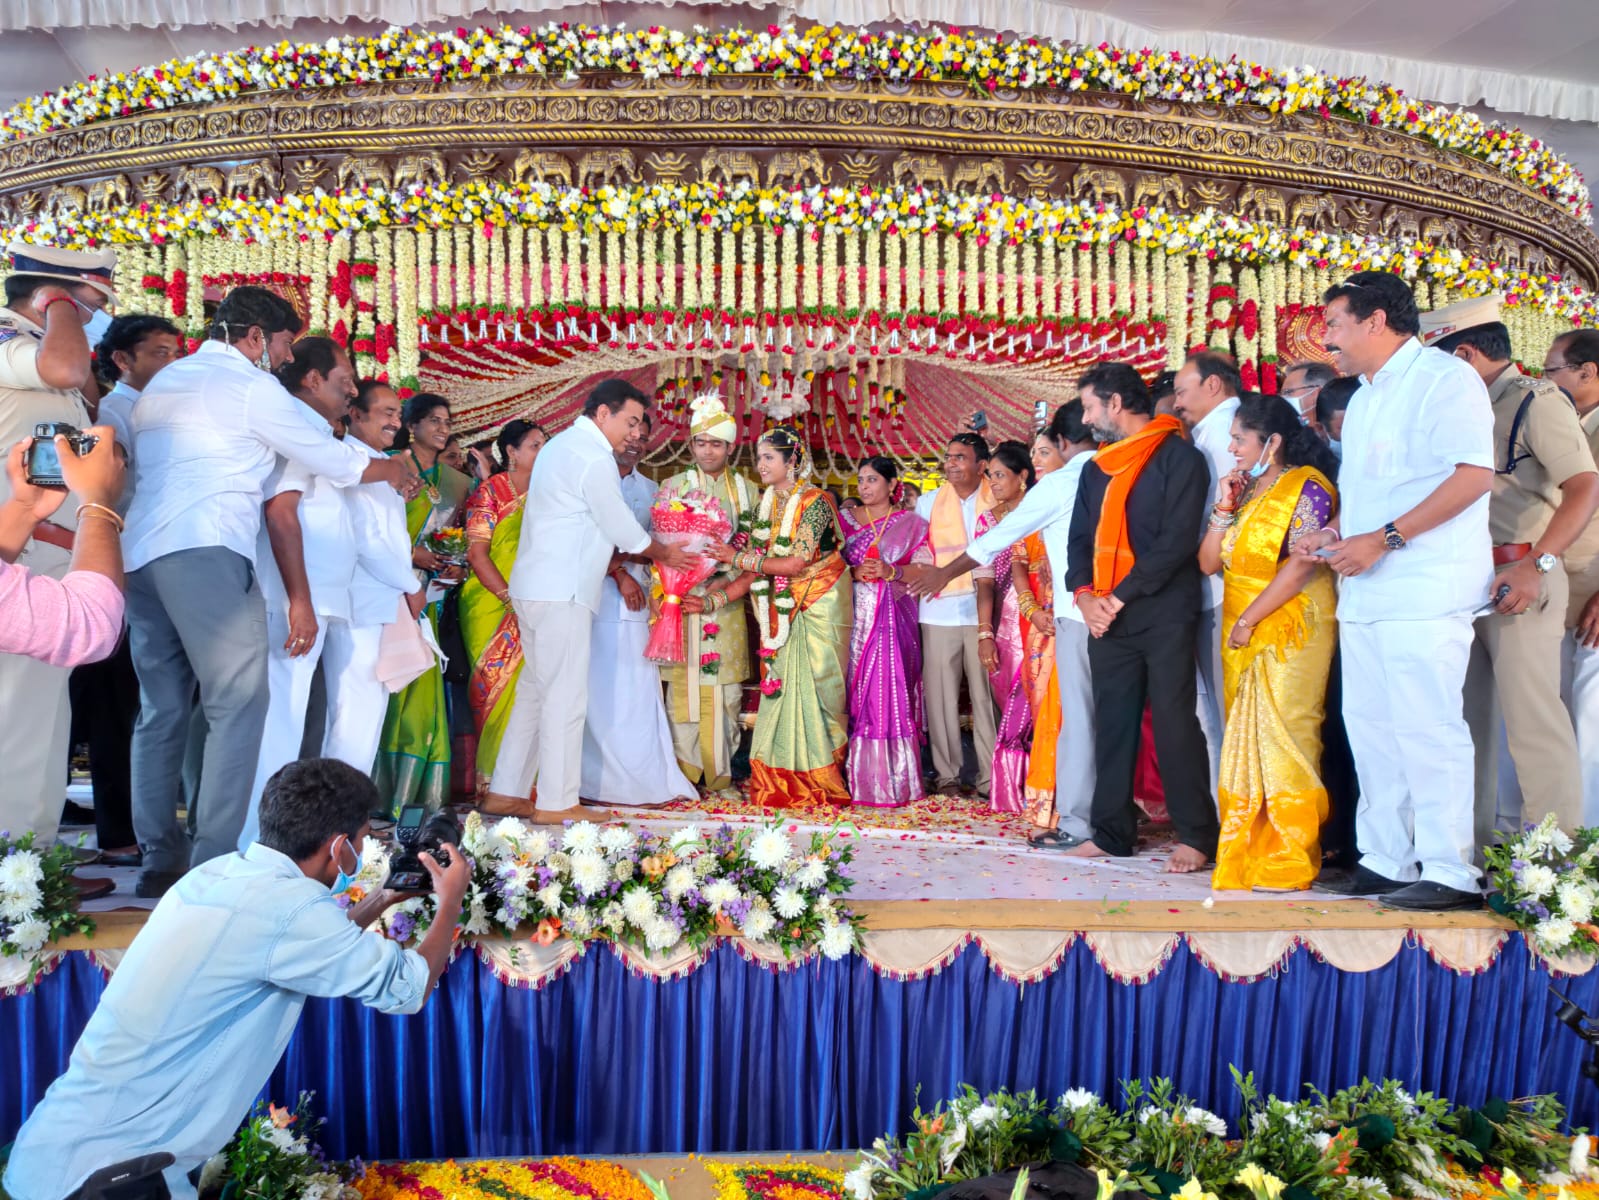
<point x="305" y="558"/>
<point x="207" y="433"/>
<point x="1416" y="559"/>
<point x="576" y="517"/>
<point x="1206" y="398"/>
<point x="1046" y="509"/>
<point x="357" y="699"/>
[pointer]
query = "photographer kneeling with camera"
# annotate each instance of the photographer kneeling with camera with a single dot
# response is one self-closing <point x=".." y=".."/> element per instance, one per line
<point x="196" y="1017"/>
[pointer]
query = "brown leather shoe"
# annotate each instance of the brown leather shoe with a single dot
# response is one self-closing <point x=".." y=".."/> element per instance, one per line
<point x="93" y="889"/>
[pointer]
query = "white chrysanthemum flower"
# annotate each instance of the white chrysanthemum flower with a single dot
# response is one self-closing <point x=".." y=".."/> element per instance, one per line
<point x="770" y="849"/>
<point x="811" y="874"/>
<point x="510" y="829"/>
<point x="549" y="897"/>
<point x="1079" y="1100"/>
<point x="579" y="923"/>
<point x="617" y="840"/>
<point x="614" y="919"/>
<point x="537" y="846"/>
<point x="837" y="940"/>
<point x="585" y="835"/>
<point x="1581" y="1145"/>
<point x="685" y="837"/>
<point x="589" y="872"/>
<point x="639" y="906"/>
<point x="1555" y="934"/>
<point x="1369" y="1187"/>
<point x="19" y="870"/>
<point x="516" y="877"/>
<point x="624" y="870"/>
<point x="984" y="1115"/>
<point x="719" y="892"/>
<point x="788" y="903"/>
<point x="1205" y="1119"/>
<point x="661" y="934"/>
<point x="279" y="1139"/>
<point x="758" y="925"/>
<point x="1538" y="880"/>
<point x="30" y="934"/>
<point x="704" y="865"/>
<point x="678" y="882"/>
<point x="1576" y="899"/>
<point x="20" y="904"/>
<point x="858" y="1183"/>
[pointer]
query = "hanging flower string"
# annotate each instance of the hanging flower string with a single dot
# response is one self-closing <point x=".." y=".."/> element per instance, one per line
<point x="988" y="64"/>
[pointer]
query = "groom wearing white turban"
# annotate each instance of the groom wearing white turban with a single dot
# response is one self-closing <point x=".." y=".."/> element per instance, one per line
<point x="705" y="717"/>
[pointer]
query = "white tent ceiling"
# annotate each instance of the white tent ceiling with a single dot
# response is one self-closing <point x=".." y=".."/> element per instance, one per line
<point x="1515" y="60"/>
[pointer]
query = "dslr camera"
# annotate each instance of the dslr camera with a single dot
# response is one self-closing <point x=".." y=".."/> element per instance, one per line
<point x="44" y="464"/>
<point x="419" y="831"/>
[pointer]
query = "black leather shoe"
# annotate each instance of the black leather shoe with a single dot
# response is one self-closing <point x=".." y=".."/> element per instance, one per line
<point x="1363" y="881"/>
<point x="132" y="859"/>
<point x="152" y="885"/>
<point x="1427" y="896"/>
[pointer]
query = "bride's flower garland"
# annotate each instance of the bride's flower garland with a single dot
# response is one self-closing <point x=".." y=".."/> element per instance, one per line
<point x="985" y="63"/>
<point x="770" y="593"/>
<point x="909" y="214"/>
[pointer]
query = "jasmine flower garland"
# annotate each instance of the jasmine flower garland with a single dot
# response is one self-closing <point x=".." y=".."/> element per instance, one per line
<point x="774" y="594"/>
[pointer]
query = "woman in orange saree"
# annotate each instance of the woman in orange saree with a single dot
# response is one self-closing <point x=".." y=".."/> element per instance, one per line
<point x="1279" y="631"/>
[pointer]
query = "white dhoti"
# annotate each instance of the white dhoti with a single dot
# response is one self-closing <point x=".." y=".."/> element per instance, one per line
<point x="1404" y="684"/>
<point x="543" y="736"/>
<point x="629" y="757"/>
<point x="357" y="699"/>
<point x="289" y="683"/>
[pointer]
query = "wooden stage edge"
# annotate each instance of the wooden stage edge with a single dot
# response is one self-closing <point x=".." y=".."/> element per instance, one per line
<point x="115" y="930"/>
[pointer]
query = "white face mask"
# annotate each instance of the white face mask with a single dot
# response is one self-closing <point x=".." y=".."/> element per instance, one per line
<point x="1337" y="448"/>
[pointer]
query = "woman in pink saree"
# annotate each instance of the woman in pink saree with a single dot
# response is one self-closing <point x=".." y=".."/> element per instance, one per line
<point x="1001" y="644"/>
<point x="885" y="683"/>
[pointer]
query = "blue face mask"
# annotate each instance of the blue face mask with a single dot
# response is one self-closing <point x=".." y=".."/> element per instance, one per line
<point x="345" y="879"/>
<point x="1264" y="465"/>
<point x="1336" y="447"/>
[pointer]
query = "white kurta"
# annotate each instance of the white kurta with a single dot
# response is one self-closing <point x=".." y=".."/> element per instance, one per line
<point x="628" y="754"/>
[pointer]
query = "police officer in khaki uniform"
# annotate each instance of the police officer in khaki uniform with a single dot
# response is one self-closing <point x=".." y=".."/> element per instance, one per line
<point x="51" y="294"/>
<point x="1544" y="493"/>
<point x="1573" y="364"/>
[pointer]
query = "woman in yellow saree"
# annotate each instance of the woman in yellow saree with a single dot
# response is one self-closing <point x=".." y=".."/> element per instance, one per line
<point x="1279" y="633"/>
<point x="413" y="764"/>
<point x="804" y="607"/>
<point x="488" y="626"/>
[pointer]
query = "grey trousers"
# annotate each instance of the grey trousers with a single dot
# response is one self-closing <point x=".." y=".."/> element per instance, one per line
<point x="1074" y="748"/>
<point x="196" y="617"/>
<point x="948" y="653"/>
<point x="1212" y="720"/>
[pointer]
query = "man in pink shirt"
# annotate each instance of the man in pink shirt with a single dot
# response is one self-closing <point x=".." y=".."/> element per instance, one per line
<point x="78" y="618"/>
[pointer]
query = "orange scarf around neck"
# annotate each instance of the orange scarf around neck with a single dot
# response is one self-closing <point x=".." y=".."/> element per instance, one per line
<point x="1124" y="462"/>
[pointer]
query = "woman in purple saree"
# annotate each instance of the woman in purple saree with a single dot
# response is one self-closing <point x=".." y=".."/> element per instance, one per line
<point x="885" y="679"/>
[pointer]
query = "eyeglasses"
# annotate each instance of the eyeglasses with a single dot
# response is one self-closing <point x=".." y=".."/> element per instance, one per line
<point x="1551" y="368"/>
<point x="1302" y="389"/>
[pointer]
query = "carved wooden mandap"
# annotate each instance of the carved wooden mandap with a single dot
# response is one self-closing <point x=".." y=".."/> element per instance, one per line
<point x="867" y="256"/>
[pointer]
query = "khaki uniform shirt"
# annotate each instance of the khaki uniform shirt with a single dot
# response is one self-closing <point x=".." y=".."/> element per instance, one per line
<point x="1551" y="447"/>
<point x="25" y="401"/>
<point x="1582" y="556"/>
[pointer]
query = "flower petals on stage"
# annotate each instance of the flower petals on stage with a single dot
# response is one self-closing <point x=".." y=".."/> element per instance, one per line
<point x="550" y="1179"/>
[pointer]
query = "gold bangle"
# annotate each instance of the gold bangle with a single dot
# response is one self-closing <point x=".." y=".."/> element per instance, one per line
<point x="985" y="635"/>
<point x="101" y="511"/>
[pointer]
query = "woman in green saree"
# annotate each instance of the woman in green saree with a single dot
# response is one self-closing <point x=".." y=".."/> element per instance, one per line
<point x="488" y="626"/>
<point x="413" y="764"/>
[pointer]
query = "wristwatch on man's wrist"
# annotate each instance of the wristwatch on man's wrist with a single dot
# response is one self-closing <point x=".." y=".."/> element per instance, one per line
<point x="1392" y="538"/>
<point x="1544" y="563"/>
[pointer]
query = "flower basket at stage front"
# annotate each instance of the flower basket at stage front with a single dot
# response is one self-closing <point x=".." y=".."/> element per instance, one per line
<point x="691" y="520"/>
